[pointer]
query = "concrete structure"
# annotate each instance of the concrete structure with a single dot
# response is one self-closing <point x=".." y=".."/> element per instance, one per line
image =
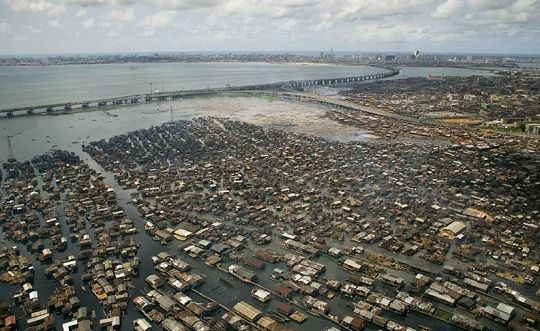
<point x="174" y="95"/>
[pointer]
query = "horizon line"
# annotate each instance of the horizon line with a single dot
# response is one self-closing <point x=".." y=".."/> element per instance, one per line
<point x="200" y="52"/>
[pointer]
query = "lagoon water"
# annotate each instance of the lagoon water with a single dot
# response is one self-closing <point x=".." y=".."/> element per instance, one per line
<point x="38" y="85"/>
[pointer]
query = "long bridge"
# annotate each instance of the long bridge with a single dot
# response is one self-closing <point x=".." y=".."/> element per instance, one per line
<point x="180" y="94"/>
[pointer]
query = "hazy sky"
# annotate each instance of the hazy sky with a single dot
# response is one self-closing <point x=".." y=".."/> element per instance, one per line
<point x="77" y="26"/>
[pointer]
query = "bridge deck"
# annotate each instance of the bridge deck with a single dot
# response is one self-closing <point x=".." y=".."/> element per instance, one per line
<point x="184" y="93"/>
<point x="349" y="105"/>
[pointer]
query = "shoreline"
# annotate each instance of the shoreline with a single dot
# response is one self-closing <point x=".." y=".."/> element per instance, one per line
<point x="344" y="64"/>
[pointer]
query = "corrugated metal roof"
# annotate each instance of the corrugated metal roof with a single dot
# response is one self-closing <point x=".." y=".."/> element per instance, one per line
<point x="247" y="310"/>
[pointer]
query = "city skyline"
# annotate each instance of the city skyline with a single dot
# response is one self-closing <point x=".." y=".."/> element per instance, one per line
<point x="122" y="26"/>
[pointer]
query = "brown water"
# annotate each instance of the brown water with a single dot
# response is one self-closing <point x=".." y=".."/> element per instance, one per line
<point x="32" y="135"/>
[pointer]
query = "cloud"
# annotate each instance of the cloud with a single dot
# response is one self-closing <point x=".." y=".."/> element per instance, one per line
<point x="158" y="20"/>
<point x="126" y="15"/>
<point x="55" y="24"/>
<point x="34" y="30"/>
<point x="520" y="12"/>
<point x="88" y="23"/>
<point x="254" y="8"/>
<point x="36" y="6"/>
<point x="532" y="5"/>
<point x="91" y="3"/>
<point x="287" y="25"/>
<point x="81" y="12"/>
<point x="397" y="32"/>
<point x="85" y="3"/>
<point x="322" y="26"/>
<point x="186" y="4"/>
<point x="372" y="9"/>
<point x="454" y="37"/>
<point x="490" y="4"/>
<point x="280" y="24"/>
<point x="447" y="9"/>
<point x="112" y="34"/>
<point x="4" y="27"/>
<point x="20" y="38"/>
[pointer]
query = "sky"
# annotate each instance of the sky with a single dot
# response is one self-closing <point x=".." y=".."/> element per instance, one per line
<point x="114" y="26"/>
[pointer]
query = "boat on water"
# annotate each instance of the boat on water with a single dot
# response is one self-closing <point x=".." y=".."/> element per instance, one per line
<point x="132" y="68"/>
<point x="83" y="288"/>
<point x="279" y="317"/>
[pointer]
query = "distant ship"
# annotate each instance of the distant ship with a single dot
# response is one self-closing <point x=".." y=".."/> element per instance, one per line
<point x="132" y="68"/>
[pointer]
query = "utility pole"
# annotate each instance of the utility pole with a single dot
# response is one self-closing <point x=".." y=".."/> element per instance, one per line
<point x="10" y="148"/>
